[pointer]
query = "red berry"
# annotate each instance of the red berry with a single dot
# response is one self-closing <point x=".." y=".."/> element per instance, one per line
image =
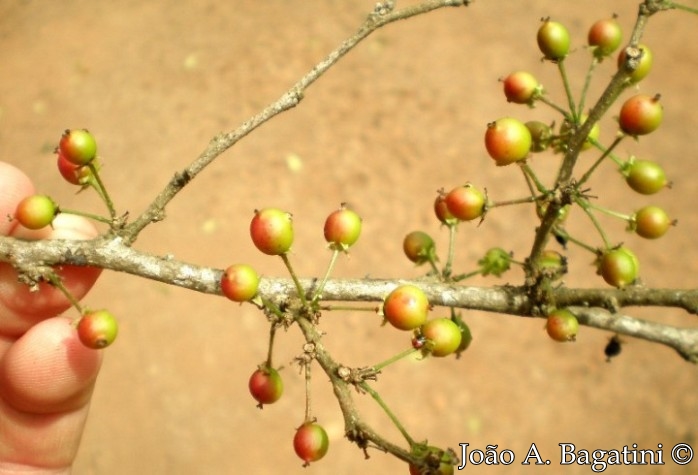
<point x="266" y="385"/>
<point x="441" y="210"/>
<point x="73" y="174"/>
<point x="553" y="40"/>
<point x="272" y="231"/>
<point x="562" y="325"/>
<point x="97" y="329"/>
<point x="605" y="37"/>
<point x="406" y="307"/>
<point x="640" y="115"/>
<point x="443" y="336"/>
<point x="342" y="228"/>
<point x="419" y="247"/>
<point x="78" y="146"/>
<point x="642" y="66"/>
<point x="521" y="87"/>
<point x="507" y="140"/>
<point x="651" y="222"/>
<point x="239" y="282"/>
<point x="36" y="211"/>
<point x="311" y="442"/>
<point x="619" y="267"/>
<point x="645" y="176"/>
<point x="466" y="202"/>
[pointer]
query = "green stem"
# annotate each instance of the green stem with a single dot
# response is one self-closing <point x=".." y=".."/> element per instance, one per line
<point x="102" y="190"/>
<point x="573" y="240"/>
<point x="451" y="249"/>
<point x="603" y="156"/>
<point x="609" y="212"/>
<point x="550" y="103"/>
<point x="585" y="205"/>
<point x="348" y="308"/>
<point x="272" y="333"/>
<point x="393" y="359"/>
<point x="685" y="8"/>
<point x="323" y="282"/>
<point x="587" y="82"/>
<point x="518" y="201"/>
<point x="294" y="277"/>
<point x="57" y="282"/>
<point x="531" y="175"/>
<point x="306" y="367"/>
<point x="568" y="90"/>
<point x="363" y="385"/>
<point x="87" y="215"/>
<point x="461" y="277"/>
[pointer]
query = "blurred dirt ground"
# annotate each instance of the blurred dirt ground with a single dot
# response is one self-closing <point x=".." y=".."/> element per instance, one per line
<point x="398" y="118"/>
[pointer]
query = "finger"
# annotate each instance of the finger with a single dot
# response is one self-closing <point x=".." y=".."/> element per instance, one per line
<point x="14" y="186"/>
<point x="22" y="306"/>
<point x="46" y="380"/>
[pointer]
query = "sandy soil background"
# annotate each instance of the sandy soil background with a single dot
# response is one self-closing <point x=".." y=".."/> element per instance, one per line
<point x="400" y="117"/>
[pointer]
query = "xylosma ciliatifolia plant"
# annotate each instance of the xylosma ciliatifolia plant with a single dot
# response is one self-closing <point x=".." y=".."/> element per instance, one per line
<point x="573" y="130"/>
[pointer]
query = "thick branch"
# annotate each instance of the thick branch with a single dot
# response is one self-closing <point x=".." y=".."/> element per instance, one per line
<point x="30" y="257"/>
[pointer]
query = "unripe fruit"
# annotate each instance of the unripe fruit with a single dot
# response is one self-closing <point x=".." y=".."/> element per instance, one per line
<point x="645" y="176"/>
<point x="342" y="228"/>
<point x="521" y="87"/>
<point x="73" y="174"/>
<point x="553" y="40"/>
<point x="640" y="115"/>
<point x="507" y="140"/>
<point x="272" y="231"/>
<point x="466" y="202"/>
<point x="541" y="135"/>
<point x="97" y="329"/>
<point x="266" y="385"/>
<point x="642" y="66"/>
<point x="78" y="146"/>
<point x="605" y="37"/>
<point x="36" y="211"/>
<point x="436" y="461"/>
<point x="406" y="307"/>
<point x="419" y="247"/>
<point x="239" y="282"/>
<point x="619" y="267"/>
<point x="443" y="336"/>
<point x="651" y="222"/>
<point x="562" y="325"/>
<point x="311" y="442"/>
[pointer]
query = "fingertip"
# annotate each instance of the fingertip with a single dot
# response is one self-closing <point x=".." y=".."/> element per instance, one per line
<point x="14" y="185"/>
<point x="48" y="370"/>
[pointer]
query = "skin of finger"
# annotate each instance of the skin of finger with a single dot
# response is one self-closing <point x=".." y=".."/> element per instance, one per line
<point x="14" y="186"/>
<point x="23" y="306"/>
<point x="46" y="380"/>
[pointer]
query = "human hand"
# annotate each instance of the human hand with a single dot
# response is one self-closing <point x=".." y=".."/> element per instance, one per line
<point x="46" y="374"/>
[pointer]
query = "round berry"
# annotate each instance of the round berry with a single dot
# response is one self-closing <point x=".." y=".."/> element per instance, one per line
<point x="541" y="135"/>
<point x="553" y="40"/>
<point x="640" y="115"/>
<point x="466" y="202"/>
<point x="311" y="442"/>
<point x="466" y="336"/>
<point x="441" y="210"/>
<point x="239" y="282"/>
<point x="73" y="174"/>
<point x="507" y="140"/>
<point x="521" y="87"/>
<point x="342" y="228"/>
<point x="36" y="211"/>
<point x="619" y="267"/>
<point x="443" y="336"/>
<point x="645" y="176"/>
<point x="651" y="222"/>
<point x="640" y="67"/>
<point x="406" y="307"/>
<point x="266" y="385"/>
<point x="78" y="146"/>
<point x="97" y="329"/>
<point x="562" y="325"/>
<point x="272" y="231"/>
<point x="605" y="37"/>
<point x="419" y="247"/>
